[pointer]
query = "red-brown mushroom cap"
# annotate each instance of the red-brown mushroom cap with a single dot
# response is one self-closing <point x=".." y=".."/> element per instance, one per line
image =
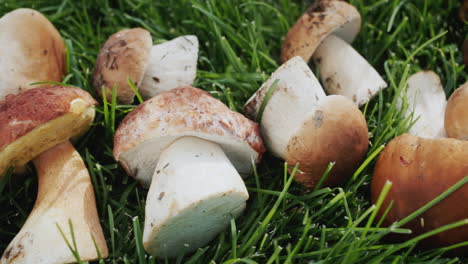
<point x="28" y="42"/>
<point x="38" y="119"/>
<point x="184" y="111"/>
<point x="322" y="18"/>
<point x="456" y="114"/>
<point x="125" y="55"/>
<point x="420" y="170"/>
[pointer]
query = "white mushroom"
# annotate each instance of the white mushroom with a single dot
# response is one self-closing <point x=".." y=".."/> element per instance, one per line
<point x="300" y="124"/>
<point x="172" y="64"/>
<point x="129" y="54"/>
<point x="426" y="103"/>
<point x="191" y="148"/>
<point x="195" y="191"/>
<point x="323" y="32"/>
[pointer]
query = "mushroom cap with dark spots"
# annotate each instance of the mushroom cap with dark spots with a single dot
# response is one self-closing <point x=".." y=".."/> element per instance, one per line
<point x="323" y="17"/>
<point x="125" y="55"/>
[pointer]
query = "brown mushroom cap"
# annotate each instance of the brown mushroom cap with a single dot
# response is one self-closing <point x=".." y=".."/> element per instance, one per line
<point x="421" y="169"/>
<point x="184" y="111"/>
<point x="38" y="119"/>
<point x="28" y="42"/>
<point x="337" y="132"/>
<point x="456" y="114"/>
<point x="321" y="19"/>
<point x="125" y="55"/>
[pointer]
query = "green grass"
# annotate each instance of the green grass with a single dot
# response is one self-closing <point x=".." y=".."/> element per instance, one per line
<point x="240" y="45"/>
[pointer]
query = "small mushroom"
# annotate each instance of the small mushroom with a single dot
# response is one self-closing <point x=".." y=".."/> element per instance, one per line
<point x="28" y="42"/>
<point x="33" y="122"/>
<point x="420" y="169"/>
<point x="191" y="148"/>
<point x="456" y="114"/>
<point x="129" y="54"/>
<point x="300" y="124"/>
<point x="323" y="32"/>
<point x="426" y="101"/>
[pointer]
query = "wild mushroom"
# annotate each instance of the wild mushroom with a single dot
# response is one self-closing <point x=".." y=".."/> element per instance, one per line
<point x="28" y="41"/>
<point x="191" y="148"/>
<point x="129" y="54"/>
<point x="426" y="101"/>
<point x="420" y="169"/>
<point x="300" y="124"/>
<point x="33" y="122"/>
<point x="456" y="114"/>
<point x="323" y="32"/>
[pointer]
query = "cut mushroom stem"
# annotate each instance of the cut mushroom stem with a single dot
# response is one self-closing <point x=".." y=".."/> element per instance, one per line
<point x="344" y="71"/>
<point x="426" y="103"/>
<point x="194" y="193"/>
<point x="65" y="196"/>
<point x="172" y="64"/>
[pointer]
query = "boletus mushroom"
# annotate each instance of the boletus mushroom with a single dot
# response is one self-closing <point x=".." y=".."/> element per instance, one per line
<point x="300" y="124"/>
<point x="323" y="33"/>
<point x="129" y="54"/>
<point x="420" y="169"/>
<point x="28" y="42"/>
<point x="191" y="149"/>
<point x="456" y="114"/>
<point x="426" y="103"/>
<point x="39" y="120"/>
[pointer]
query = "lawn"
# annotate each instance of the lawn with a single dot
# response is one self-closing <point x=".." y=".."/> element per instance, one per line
<point x="240" y="45"/>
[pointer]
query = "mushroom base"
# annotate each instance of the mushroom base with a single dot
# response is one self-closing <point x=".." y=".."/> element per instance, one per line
<point x="194" y="193"/>
<point x="65" y="195"/>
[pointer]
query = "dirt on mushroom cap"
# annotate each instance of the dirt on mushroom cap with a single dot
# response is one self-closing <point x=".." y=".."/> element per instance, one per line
<point x="321" y="19"/>
<point x="125" y="55"/>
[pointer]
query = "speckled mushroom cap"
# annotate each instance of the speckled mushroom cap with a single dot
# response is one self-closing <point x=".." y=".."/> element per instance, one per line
<point x="38" y="119"/>
<point x="28" y="41"/>
<point x="302" y="125"/>
<point x="420" y="169"/>
<point x="184" y="111"/>
<point x="456" y="114"/>
<point x="125" y="55"/>
<point x="322" y="18"/>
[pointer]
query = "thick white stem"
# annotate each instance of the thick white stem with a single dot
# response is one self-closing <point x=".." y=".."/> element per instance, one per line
<point x="172" y="64"/>
<point x="345" y="72"/>
<point x="193" y="195"/>
<point x="426" y="103"/>
<point x="294" y="98"/>
<point x="65" y="195"/>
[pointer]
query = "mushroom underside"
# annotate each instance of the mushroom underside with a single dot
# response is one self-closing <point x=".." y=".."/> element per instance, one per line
<point x="140" y="161"/>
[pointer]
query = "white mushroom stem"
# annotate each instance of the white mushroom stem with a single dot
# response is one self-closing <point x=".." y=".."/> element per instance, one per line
<point x="426" y="103"/>
<point x="193" y="195"/>
<point x="65" y="194"/>
<point x="172" y="64"/>
<point x="344" y="71"/>
<point x="295" y="97"/>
